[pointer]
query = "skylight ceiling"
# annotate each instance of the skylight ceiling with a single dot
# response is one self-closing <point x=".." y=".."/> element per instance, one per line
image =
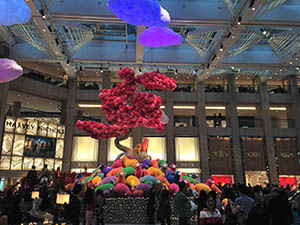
<point x="257" y="37"/>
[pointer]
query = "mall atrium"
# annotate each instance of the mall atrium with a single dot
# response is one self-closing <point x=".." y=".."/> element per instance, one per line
<point x="234" y="115"/>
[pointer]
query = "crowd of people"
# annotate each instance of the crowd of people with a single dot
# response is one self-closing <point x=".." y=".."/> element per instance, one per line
<point x="237" y="205"/>
<point x="234" y="205"/>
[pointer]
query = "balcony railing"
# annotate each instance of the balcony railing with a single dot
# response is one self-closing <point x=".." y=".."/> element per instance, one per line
<point x="283" y="123"/>
<point x="221" y="124"/>
<point x="277" y="90"/>
<point x="216" y="88"/>
<point x="247" y="89"/>
<point x="251" y="123"/>
<point x="185" y="121"/>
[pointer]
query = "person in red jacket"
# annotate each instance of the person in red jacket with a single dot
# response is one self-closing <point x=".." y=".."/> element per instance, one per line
<point x="210" y="215"/>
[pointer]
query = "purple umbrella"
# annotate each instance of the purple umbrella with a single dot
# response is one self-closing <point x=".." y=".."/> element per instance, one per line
<point x="140" y="12"/>
<point x="9" y="70"/>
<point x="159" y="37"/>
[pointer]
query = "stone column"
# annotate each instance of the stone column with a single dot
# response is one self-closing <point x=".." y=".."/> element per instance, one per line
<point x="16" y="109"/>
<point x="295" y="109"/>
<point x="103" y="143"/>
<point x="201" y="115"/>
<point x="265" y="114"/>
<point x="239" y="173"/>
<point x="170" y="127"/>
<point x="3" y="101"/>
<point x="71" y="111"/>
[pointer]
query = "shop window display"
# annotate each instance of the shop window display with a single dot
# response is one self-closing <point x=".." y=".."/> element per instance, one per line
<point x="32" y="141"/>
<point x="187" y="149"/>
<point x="157" y="147"/>
<point x="85" y="149"/>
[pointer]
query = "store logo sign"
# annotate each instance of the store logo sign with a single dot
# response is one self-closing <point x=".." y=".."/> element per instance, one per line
<point x="221" y="154"/>
<point x="287" y="155"/>
<point x="253" y="154"/>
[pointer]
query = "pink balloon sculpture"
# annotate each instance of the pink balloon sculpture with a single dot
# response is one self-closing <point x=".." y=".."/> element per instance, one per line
<point x="9" y="70"/>
<point x="159" y="37"/>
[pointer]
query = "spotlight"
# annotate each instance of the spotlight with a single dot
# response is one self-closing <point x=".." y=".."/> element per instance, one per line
<point x="221" y="48"/>
<point x="101" y="69"/>
<point x="43" y="14"/>
<point x="239" y="21"/>
<point x="264" y="32"/>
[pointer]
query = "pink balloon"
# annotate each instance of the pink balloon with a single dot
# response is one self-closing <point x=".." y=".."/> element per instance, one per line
<point x="9" y="70"/>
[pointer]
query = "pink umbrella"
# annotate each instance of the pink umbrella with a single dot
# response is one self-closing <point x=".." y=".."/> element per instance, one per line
<point x="9" y="70"/>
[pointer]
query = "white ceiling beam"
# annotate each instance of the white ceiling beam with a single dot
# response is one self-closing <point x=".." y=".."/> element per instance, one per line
<point x="177" y="22"/>
<point x="228" y="41"/>
<point x="49" y="40"/>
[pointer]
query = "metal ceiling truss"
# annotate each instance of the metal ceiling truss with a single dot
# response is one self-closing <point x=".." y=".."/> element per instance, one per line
<point x="204" y="41"/>
<point x="231" y="37"/>
<point x="248" y="38"/>
<point x="232" y="5"/>
<point x="74" y="37"/>
<point x="267" y="7"/>
<point x="31" y="34"/>
<point x="286" y="46"/>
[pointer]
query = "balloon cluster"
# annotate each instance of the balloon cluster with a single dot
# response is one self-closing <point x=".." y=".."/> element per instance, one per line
<point x="128" y="177"/>
<point x="125" y="109"/>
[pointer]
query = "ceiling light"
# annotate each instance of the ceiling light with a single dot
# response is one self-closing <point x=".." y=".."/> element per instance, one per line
<point x="291" y="63"/>
<point x="253" y="8"/>
<point x="246" y="108"/>
<point x="215" y="107"/>
<point x="89" y="105"/>
<point x="233" y="36"/>
<point x="277" y="108"/>
<point x="101" y="69"/>
<point x="221" y="48"/>
<point x="264" y="32"/>
<point x="232" y="67"/>
<point x="239" y="23"/>
<point x="297" y="68"/>
<point x="44" y="30"/>
<point x="184" y="107"/>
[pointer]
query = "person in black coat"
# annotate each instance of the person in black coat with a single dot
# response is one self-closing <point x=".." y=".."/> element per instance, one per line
<point x="72" y="210"/>
<point x="11" y="207"/>
<point x="150" y="211"/>
<point x="164" y="209"/>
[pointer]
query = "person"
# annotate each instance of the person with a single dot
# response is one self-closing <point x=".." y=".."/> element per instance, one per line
<point x="200" y="203"/>
<point x="215" y="120"/>
<point x="31" y="178"/>
<point x="219" y="120"/>
<point x="150" y="211"/>
<point x="44" y="180"/>
<point x="164" y="208"/>
<point x="182" y="204"/>
<point x="210" y="215"/>
<point x="100" y="203"/>
<point x="11" y="207"/>
<point x="246" y="203"/>
<point x="90" y="205"/>
<point x="279" y="207"/>
<point x="72" y="210"/>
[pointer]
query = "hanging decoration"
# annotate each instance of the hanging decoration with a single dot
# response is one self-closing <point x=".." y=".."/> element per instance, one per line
<point x="9" y="70"/>
<point x="140" y="12"/>
<point x="14" y="12"/>
<point x="159" y="37"/>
